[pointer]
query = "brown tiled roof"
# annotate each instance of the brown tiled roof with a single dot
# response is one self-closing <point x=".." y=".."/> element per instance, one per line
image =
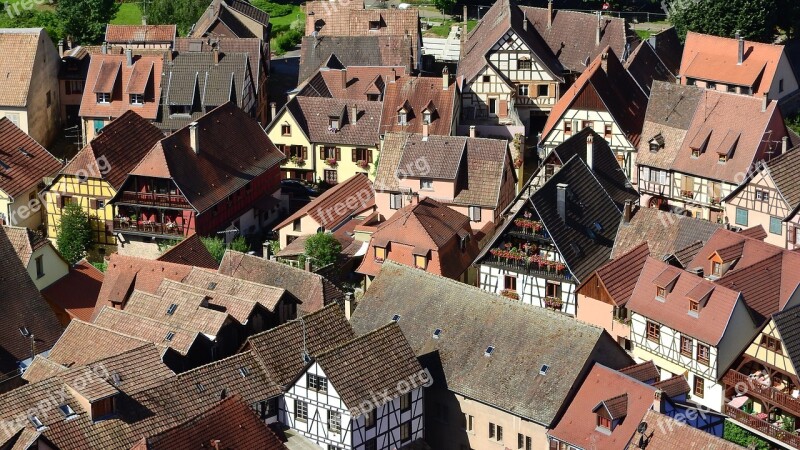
<point x="76" y="292"/>
<point x="669" y="49"/>
<point x="372" y="362"/>
<point x="148" y="330"/>
<point x="25" y="242"/>
<point x="665" y="433"/>
<point x="231" y="422"/>
<point x="386" y="176"/>
<point x="121" y="146"/>
<point x="323" y="209"/>
<point x="22" y="46"/>
<point x="353" y="83"/>
<point x="111" y="73"/>
<point x="645" y="372"/>
<point x="573" y="35"/>
<point x="645" y="66"/>
<point x="189" y="310"/>
<point x="664" y="232"/>
<point x="673" y="387"/>
<point x="140" y="34"/>
<point x="238" y="16"/>
<point x="714" y="58"/>
<point x="267" y="295"/>
<point x="313" y="290"/>
<point x="41" y="369"/>
<point x="712" y="319"/>
<point x="82" y="343"/>
<point x="503" y="16"/>
<point x="25" y="163"/>
<point x="619" y="276"/>
<point x="353" y="51"/>
<point x="126" y="273"/>
<point x="467" y="317"/>
<point x="686" y="254"/>
<point x="22" y="306"/>
<point x="349" y="245"/>
<point x="190" y="252"/>
<point x="234" y="149"/>
<point x="281" y="349"/>
<point x="251" y="46"/>
<point x="757" y="135"/>
<point x="757" y="232"/>
<point x="614" y="87"/>
<point x="239" y="308"/>
<point x="783" y="170"/>
<point x="621" y="397"/>
<point x="313" y="116"/>
<point x="419" y="93"/>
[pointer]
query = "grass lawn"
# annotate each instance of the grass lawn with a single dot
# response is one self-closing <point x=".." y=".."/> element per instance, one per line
<point x="644" y="34"/>
<point x="128" y="14"/>
<point x="444" y="29"/>
<point x="289" y="18"/>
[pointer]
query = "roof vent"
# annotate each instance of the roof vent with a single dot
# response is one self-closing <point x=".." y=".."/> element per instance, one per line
<point x="212" y="285"/>
<point x="169" y="336"/>
<point x="396" y="318"/>
<point x="171" y="309"/>
<point x="244" y="372"/>
<point x="544" y="369"/>
<point x="25" y="152"/>
<point x="436" y="333"/>
<point x="489" y="351"/>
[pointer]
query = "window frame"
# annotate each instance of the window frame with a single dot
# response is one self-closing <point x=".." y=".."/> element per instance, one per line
<point x="395" y="200"/>
<point x="653" y="332"/>
<point x="134" y="97"/>
<point x="524" y="64"/>
<point x="699" y="387"/>
<point x="474" y="213"/>
<point x="406" y="402"/>
<point x="523" y="90"/>
<point x="334" y="421"/>
<point x="703" y="348"/>
<point x="300" y="411"/>
<point x="687" y="346"/>
<point x="39" y="266"/>
<point x="426" y="184"/>
<point x="543" y="90"/>
<point x="316" y="383"/>
<point x="775" y="221"/>
<point x="510" y="282"/>
<point x="103" y="98"/>
<point x="286" y="130"/>
<point x="745" y="213"/>
<point x="603" y="422"/>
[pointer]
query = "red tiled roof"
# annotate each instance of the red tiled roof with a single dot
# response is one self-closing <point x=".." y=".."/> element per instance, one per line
<point x="621" y="395"/>
<point x="190" y="252"/>
<point x="313" y="117"/>
<point x="351" y="83"/>
<point x="77" y="292"/>
<point x="712" y="319"/>
<point x="338" y="203"/>
<point x="756" y="232"/>
<point x="715" y="58"/>
<point x="644" y="372"/>
<point x="419" y="93"/>
<point x="665" y="433"/>
<point x="620" y="275"/>
<point x="111" y="73"/>
<point x="673" y="387"/>
<point x="140" y="34"/>
<point x="28" y="162"/>
<point x="83" y="343"/>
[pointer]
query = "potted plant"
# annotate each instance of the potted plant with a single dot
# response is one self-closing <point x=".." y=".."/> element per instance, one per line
<point x="553" y="303"/>
<point x="510" y="293"/>
<point x="330" y="161"/>
<point x="517" y="163"/>
<point x="362" y="163"/>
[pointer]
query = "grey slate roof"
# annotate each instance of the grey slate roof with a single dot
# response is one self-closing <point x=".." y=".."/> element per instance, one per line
<point x="524" y="338"/>
<point x="788" y="324"/>
<point x="374" y="51"/>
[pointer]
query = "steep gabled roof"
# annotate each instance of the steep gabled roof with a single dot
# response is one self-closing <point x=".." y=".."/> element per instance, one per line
<point x="240" y="17"/>
<point x="190" y="252"/>
<point x="110" y="73"/>
<point x="783" y="170"/>
<point x="352" y="83"/>
<point x="22" y="46"/>
<point x="140" y="34"/>
<point x="313" y="116"/>
<point x="351" y="51"/>
<point x="420" y="93"/>
<point x="24" y="163"/>
<point x="323" y="209"/>
<point x="619" y="276"/>
<point x="83" y="343"/>
<point x="645" y="66"/>
<point x="25" y="242"/>
<point x="665" y="433"/>
<point x="664" y="232"/>
<point x="77" y="291"/>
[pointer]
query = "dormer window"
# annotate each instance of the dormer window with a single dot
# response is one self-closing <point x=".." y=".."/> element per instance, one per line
<point x="380" y="254"/>
<point x="695" y="153"/>
<point x="137" y="99"/>
<point x="286" y="130"/>
<point x="333" y="123"/>
<point x="694" y="306"/>
<point x="421" y="262"/>
<point x="723" y="159"/>
<point x="426" y="117"/>
<point x="180" y="110"/>
<point x="402" y="117"/>
<point x="374" y="25"/>
<point x="603" y="422"/>
<point x="103" y="97"/>
<point x="661" y="292"/>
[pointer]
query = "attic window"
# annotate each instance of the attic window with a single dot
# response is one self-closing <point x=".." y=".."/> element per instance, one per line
<point x="603" y="422"/>
<point x="694" y="306"/>
<point x="5" y="166"/>
<point x="169" y="336"/>
<point x="333" y="123"/>
<point x="243" y="371"/>
<point x="137" y="99"/>
<point x="25" y="152"/>
<point x="374" y="25"/>
<point x="489" y="351"/>
<point x="576" y="250"/>
<point x="36" y="422"/>
<point x="116" y="379"/>
<point x="426" y="117"/>
<point x="396" y="318"/>
<point x="171" y="309"/>
<point x="436" y="333"/>
<point x="661" y="292"/>
<point x="723" y="158"/>
<point x="597" y="227"/>
<point x="24" y="332"/>
<point x="67" y="411"/>
<point x="544" y="369"/>
<point x="657" y="143"/>
<point x="402" y="118"/>
<point x="103" y="97"/>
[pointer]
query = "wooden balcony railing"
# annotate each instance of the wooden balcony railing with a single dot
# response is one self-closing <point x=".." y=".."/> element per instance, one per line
<point x="787" y="437"/>
<point x="750" y="386"/>
<point x="148" y="228"/>
<point x="153" y="199"/>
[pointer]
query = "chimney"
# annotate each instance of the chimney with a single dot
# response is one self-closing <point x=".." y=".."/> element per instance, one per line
<point x="597" y="33"/>
<point x="194" y="137"/>
<point x="415" y="198"/>
<point x="525" y="20"/>
<point x="424" y="131"/>
<point x="348" y="305"/>
<point x="393" y="76"/>
<point x="60" y="48"/>
<point x="549" y="14"/>
<point x="472" y="131"/>
<point x="144" y="20"/>
<point x="344" y="78"/>
<point x="266" y="249"/>
<point x="784" y="144"/>
<point x="353" y="114"/>
<point x="561" y="201"/>
<point x="308" y="265"/>
<point x="627" y="211"/>
<point x="464" y="19"/>
<point x="129" y="56"/>
<point x="657" y="402"/>
<point x="604" y="62"/>
<point x="170" y="56"/>
<point x="740" y="58"/>
<point x="104" y="48"/>
<point x="764" y="102"/>
<point x="445" y="78"/>
<point x="69" y="43"/>
<point x="590" y="151"/>
<point x="273" y="108"/>
<point x="215" y="52"/>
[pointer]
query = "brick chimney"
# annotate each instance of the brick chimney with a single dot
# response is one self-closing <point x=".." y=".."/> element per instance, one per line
<point x="194" y="137"/>
<point x="215" y="52"/>
<point x="784" y="144"/>
<point x="657" y="401"/>
<point x="549" y="14"/>
<point x="627" y="211"/>
<point x="590" y="151"/>
<point x="424" y="131"/>
<point x="472" y="131"/>
<point x="393" y="75"/>
<point x="344" y="78"/>
<point x="604" y="62"/>
<point x="445" y="78"/>
<point x="348" y="305"/>
<point x="740" y="53"/>
<point x="353" y="114"/>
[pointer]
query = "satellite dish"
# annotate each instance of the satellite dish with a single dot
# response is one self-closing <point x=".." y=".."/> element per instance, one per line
<point x="642" y="428"/>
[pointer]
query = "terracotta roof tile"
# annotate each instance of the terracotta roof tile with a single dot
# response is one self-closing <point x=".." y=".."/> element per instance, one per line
<point x="665" y="233"/>
<point x="82" y="343"/>
<point x="240" y="308"/>
<point x="164" y="335"/>
<point x="22" y="47"/>
<point x="353" y="83"/>
<point x="240" y="17"/>
<point x="645" y="66"/>
<point x="673" y="387"/>
<point x="784" y="170"/>
<point x="646" y="372"/>
<point x="110" y="73"/>
<point x="313" y="116"/>
<point x="323" y="209"/>
<point x="669" y="49"/>
<point x="25" y="163"/>
<point x="77" y="292"/>
<point x="267" y="295"/>
<point x="140" y="34"/>
<point x="666" y="433"/>
<point x="190" y="252"/>
<point x="251" y="46"/>
<point x="189" y="310"/>
<point x="619" y="276"/>
<point x="419" y="93"/>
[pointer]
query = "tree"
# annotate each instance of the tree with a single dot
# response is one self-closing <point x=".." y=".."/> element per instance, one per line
<point x="217" y="247"/>
<point x="446" y="6"/>
<point x="323" y="249"/>
<point x="74" y="233"/>
<point x="754" y="19"/>
<point x="183" y="13"/>
<point x="85" y="20"/>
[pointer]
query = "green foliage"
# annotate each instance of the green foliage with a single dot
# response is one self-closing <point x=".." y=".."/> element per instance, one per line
<point x="444" y="5"/>
<point x="216" y="246"/>
<point x="274" y="247"/>
<point x="101" y="266"/>
<point x="274" y="9"/>
<point x="183" y="13"/>
<point x="163" y="246"/>
<point x="85" y="20"/>
<point x="128" y="14"/>
<point x="323" y="249"/>
<point x="756" y="19"/>
<point x="74" y="233"/>
<point x="793" y="122"/>
<point x="287" y="41"/>
<point x="17" y="17"/>
<point x="739" y="435"/>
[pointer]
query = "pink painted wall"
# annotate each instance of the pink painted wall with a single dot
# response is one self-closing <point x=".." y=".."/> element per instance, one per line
<point x="601" y="314"/>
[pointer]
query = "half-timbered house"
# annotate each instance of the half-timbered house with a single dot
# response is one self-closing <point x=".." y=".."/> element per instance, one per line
<point x="687" y="324"/>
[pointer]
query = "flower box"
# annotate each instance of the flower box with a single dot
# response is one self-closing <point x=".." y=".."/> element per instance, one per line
<point x="553" y="303"/>
<point x="330" y="161"/>
<point x="362" y="163"/>
<point x="510" y="293"/>
<point x="297" y="160"/>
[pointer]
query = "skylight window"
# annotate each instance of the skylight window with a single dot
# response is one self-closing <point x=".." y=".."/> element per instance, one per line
<point x="396" y="318"/>
<point x="544" y="369"/>
<point x="24" y="332"/>
<point x="212" y="285"/>
<point x="200" y="387"/>
<point x="36" y="422"/>
<point x="489" y="351"/>
<point x="436" y="333"/>
<point x="116" y="379"/>
<point x="597" y="226"/>
<point x="171" y="309"/>
<point x="25" y="152"/>
<point x="169" y="336"/>
<point x="244" y="372"/>
<point x="5" y="166"/>
<point x="66" y="411"/>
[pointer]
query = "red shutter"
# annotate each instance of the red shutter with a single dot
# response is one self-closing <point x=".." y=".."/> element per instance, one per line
<point x="354" y="152"/>
<point x="793" y="235"/>
<point x="338" y="154"/>
<point x="322" y="153"/>
<point x="305" y="153"/>
<point x="503" y="108"/>
<point x="369" y="156"/>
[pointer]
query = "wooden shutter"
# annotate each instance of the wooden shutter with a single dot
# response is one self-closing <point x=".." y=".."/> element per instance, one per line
<point x="93" y="203"/>
<point x="369" y="156"/>
<point x="354" y="152"/>
<point x="793" y="235"/>
<point x="57" y="199"/>
<point x="322" y="153"/>
<point x="338" y="154"/>
<point x="305" y="153"/>
<point x="503" y="108"/>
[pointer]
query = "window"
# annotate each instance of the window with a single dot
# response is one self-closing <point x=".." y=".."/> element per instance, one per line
<point x="426" y="117"/>
<point x="300" y="411"/>
<point x="603" y="422"/>
<point x="395" y="201"/>
<point x="369" y="419"/>
<point x="475" y="213"/>
<point x="487" y="79"/>
<point x="661" y="292"/>
<point x="333" y="123"/>
<point x="695" y="153"/>
<point x="711" y="85"/>
<point x="770" y="343"/>
<point x="543" y="90"/>
<point x="608" y="129"/>
<point x="14" y="118"/>
<point x="137" y="99"/>
<point x="694" y="306"/>
<point x="510" y="282"/>
<point x="74" y="87"/>
<point x="402" y="118"/>
<point x="495" y="432"/>
<point x="425" y="183"/>
<point x="39" y="266"/>
<point x="524" y="442"/>
<point x="687" y="346"/>
<point x="67" y="411"/>
<point x="374" y="25"/>
<point x="775" y="225"/>
<point x="723" y="158"/>
<point x="99" y="204"/>
<point x="522" y="90"/>
<point x="653" y="331"/>
<point x="762" y="195"/>
<point x="741" y="216"/>
<point x="405" y="401"/>
<point x="180" y="110"/>
<point x="103" y="97"/>
<point x="702" y="353"/>
<point x="716" y="269"/>
<point x="492" y="106"/>
<point x="330" y="153"/>
<point x="296" y="225"/>
<point x="699" y="387"/>
<point x="731" y="88"/>
<point x="524" y="64"/>
<point x="331" y="176"/>
<point x="334" y="421"/>
<point x="286" y="130"/>
<point x="780" y="85"/>
<point x="553" y="289"/>
<point x="317" y="383"/>
<point x="405" y="431"/>
<point x="421" y="262"/>
<point x="371" y="444"/>
<point x="380" y="254"/>
<point x="469" y="422"/>
<point x="567" y="127"/>
<point x="362" y="154"/>
<point x="49" y="99"/>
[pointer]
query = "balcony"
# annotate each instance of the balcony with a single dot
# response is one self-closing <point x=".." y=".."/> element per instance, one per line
<point x="781" y="398"/>
<point x="148" y="228"/>
<point x="762" y="426"/>
<point x="153" y="199"/>
<point x="530" y="265"/>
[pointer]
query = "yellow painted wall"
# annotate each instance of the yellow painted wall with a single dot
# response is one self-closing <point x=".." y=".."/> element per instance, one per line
<point x="308" y="226"/>
<point x="345" y="168"/>
<point x="780" y="361"/>
<point x="296" y="137"/>
<point x="92" y="188"/>
<point x="88" y="128"/>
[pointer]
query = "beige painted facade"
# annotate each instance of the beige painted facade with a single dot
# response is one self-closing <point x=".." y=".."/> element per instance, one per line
<point x="784" y="83"/>
<point x="52" y="264"/>
<point x="91" y="127"/>
<point x="23" y="211"/>
<point x="303" y="226"/>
